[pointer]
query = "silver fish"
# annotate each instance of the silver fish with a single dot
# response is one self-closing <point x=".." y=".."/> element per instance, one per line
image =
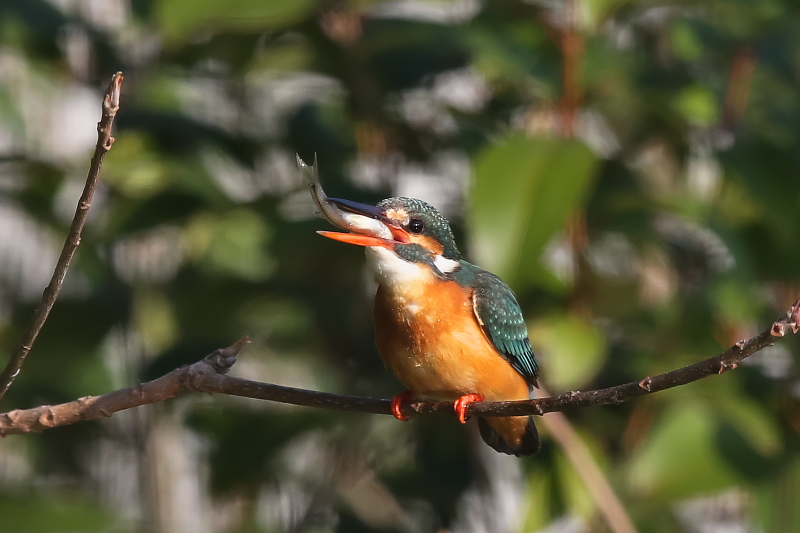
<point x="327" y="209"/>
<point x="330" y="212"/>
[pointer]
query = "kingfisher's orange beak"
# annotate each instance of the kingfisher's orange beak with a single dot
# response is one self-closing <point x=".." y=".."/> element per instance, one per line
<point x="360" y="240"/>
<point x="363" y="236"/>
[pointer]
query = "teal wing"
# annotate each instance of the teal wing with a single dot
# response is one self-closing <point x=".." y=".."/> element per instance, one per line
<point x="499" y="314"/>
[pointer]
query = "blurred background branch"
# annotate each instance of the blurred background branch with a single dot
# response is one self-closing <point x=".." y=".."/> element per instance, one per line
<point x="587" y="468"/>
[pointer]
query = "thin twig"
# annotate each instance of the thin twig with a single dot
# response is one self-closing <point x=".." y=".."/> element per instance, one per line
<point x="202" y="377"/>
<point x="104" y="142"/>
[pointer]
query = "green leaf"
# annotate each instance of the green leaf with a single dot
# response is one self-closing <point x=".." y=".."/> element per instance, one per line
<point x="736" y="300"/>
<point x="776" y="502"/>
<point x="680" y="458"/>
<point x="571" y="350"/>
<point x="757" y="426"/>
<point x="525" y="188"/>
<point x="155" y="319"/>
<point x="179" y="19"/>
<point x="55" y="511"/>
<point x="685" y="41"/>
<point x="135" y="168"/>
<point x="698" y="105"/>
<point x="233" y="244"/>
<point x="538" y="498"/>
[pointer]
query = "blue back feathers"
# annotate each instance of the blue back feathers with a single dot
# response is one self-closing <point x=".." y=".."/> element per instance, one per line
<point x="498" y="310"/>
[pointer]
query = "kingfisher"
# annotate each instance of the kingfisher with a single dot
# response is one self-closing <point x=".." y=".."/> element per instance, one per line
<point x="449" y="330"/>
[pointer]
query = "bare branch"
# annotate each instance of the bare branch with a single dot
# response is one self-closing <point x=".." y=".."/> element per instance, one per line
<point x="104" y="142"/>
<point x="208" y="376"/>
<point x="728" y="360"/>
<point x="94" y="407"/>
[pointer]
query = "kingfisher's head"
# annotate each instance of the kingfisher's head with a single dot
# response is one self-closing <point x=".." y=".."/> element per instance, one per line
<point x="403" y="236"/>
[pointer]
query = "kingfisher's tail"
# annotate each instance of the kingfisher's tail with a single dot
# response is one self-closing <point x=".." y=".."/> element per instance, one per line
<point x="514" y="435"/>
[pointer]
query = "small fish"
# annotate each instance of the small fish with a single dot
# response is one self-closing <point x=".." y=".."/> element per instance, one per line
<point x="331" y="212"/>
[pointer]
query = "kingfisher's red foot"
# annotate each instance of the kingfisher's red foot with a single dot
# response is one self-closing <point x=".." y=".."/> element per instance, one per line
<point x="462" y="403"/>
<point x="397" y="404"/>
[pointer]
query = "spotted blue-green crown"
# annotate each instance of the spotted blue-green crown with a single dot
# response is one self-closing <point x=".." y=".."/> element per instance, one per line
<point x="434" y="224"/>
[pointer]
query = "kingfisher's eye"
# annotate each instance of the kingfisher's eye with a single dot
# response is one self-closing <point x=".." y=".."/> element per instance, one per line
<point x="415" y="225"/>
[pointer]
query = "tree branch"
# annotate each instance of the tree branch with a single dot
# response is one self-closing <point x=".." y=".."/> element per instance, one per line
<point x="209" y="376"/>
<point x="104" y="142"/>
<point x="178" y="381"/>
<point x="728" y="360"/>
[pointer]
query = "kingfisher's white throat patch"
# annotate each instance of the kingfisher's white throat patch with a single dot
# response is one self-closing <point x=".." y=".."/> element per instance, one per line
<point x="405" y="278"/>
<point x="394" y="272"/>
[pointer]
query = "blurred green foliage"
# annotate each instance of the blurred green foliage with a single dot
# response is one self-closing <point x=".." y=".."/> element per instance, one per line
<point x="630" y="168"/>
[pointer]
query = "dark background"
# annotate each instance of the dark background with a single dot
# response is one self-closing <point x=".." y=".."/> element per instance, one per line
<point x="630" y="168"/>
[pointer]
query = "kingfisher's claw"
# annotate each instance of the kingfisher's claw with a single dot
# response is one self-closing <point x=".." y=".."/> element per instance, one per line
<point x="397" y="404"/>
<point x="462" y="403"/>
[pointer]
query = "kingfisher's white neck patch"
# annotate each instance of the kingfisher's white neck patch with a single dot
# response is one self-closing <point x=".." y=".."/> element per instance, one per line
<point x="445" y="265"/>
<point x="402" y="277"/>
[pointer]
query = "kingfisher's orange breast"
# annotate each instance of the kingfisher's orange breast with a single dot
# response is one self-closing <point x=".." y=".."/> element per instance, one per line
<point x="431" y="339"/>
